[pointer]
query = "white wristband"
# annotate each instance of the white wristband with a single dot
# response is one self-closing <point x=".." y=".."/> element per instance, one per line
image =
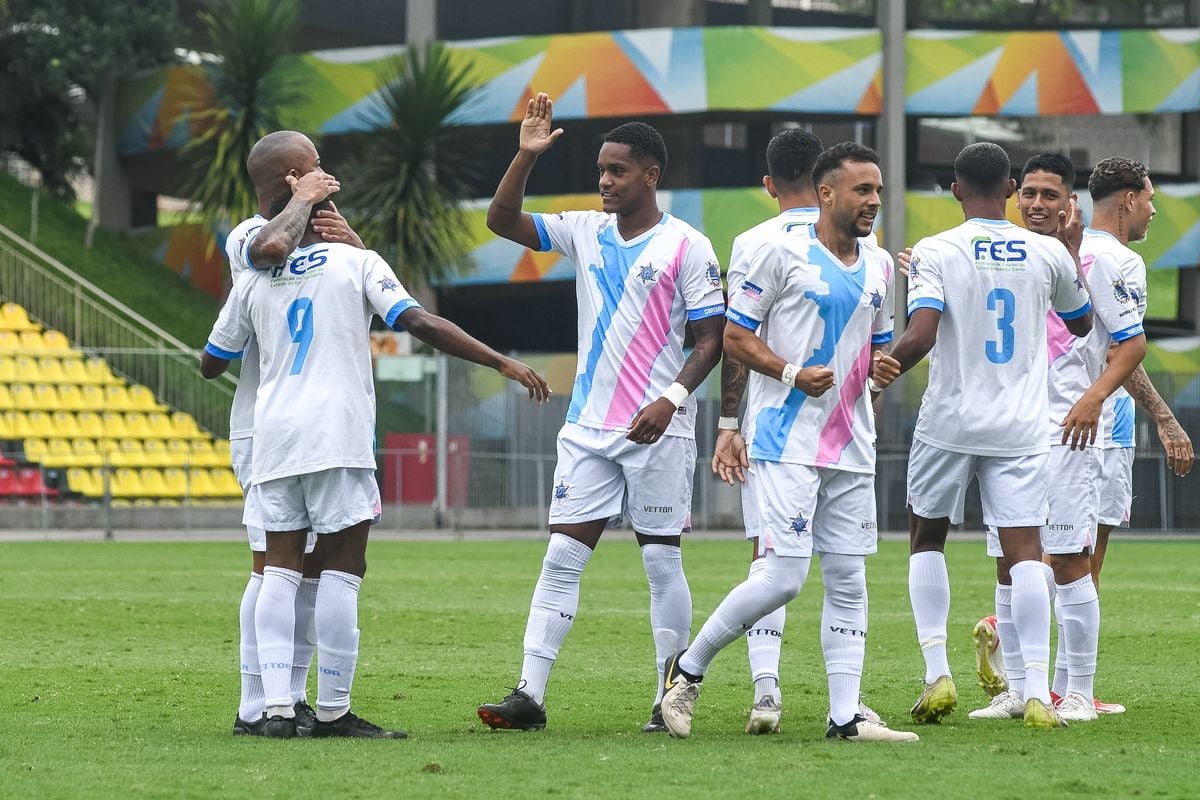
<point x="677" y="393"/>
<point x="790" y="372"/>
<point x="727" y="423"/>
<point x="873" y="386"/>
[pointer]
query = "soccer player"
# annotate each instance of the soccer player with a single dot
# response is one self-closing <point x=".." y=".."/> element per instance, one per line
<point x="980" y="293"/>
<point x="313" y="463"/>
<point x="809" y="318"/>
<point x="289" y="152"/>
<point x="629" y="438"/>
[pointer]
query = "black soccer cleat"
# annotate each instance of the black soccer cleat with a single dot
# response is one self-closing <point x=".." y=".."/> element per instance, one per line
<point x="306" y="718"/>
<point x="352" y="726"/>
<point x="278" y="727"/>
<point x="655" y="724"/>
<point x="243" y="728"/>
<point x="517" y="712"/>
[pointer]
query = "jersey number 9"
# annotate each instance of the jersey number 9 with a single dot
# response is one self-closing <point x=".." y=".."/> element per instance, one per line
<point x="300" y="325"/>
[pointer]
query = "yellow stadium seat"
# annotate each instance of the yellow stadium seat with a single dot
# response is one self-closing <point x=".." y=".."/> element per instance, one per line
<point x="160" y="425"/>
<point x="126" y="483"/>
<point x="6" y="398"/>
<point x="51" y="369"/>
<point x="203" y="454"/>
<point x="179" y="454"/>
<point x="114" y="425"/>
<point x="74" y="371"/>
<point x="47" y="397"/>
<point x="31" y="343"/>
<point x="56" y="342"/>
<point x="14" y="318"/>
<point x="65" y="424"/>
<point x="90" y="424"/>
<point x="22" y="397"/>
<point x="35" y="449"/>
<point x="200" y="484"/>
<point x="70" y="398"/>
<point x="19" y="422"/>
<point x="142" y="399"/>
<point x="107" y="448"/>
<point x="186" y="427"/>
<point x="153" y="484"/>
<point x="97" y="369"/>
<point x="8" y="369"/>
<point x="221" y="448"/>
<point x="122" y="502"/>
<point x="39" y="424"/>
<point x="225" y="483"/>
<point x="28" y="370"/>
<point x="92" y="397"/>
<point x="156" y="453"/>
<point x="116" y="398"/>
<point x="129" y="454"/>
<point x="84" y="482"/>
<point x="10" y="342"/>
<point x="86" y="454"/>
<point x="169" y="502"/>
<point x="59" y="453"/>
<point x="136" y="426"/>
<point x="6" y="427"/>
<point x="176" y="481"/>
<point x="145" y="502"/>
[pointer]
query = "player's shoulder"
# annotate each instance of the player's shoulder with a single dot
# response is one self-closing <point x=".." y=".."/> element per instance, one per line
<point x="235" y="241"/>
<point x="683" y="229"/>
<point x="875" y="255"/>
<point x="588" y="218"/>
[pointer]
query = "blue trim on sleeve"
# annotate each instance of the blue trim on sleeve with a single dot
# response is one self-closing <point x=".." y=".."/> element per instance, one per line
<point x="395" y="311"/>
<point x="1079" y="312"/>
<point x="251" y="235"/>
<point x="706" y="312"/>
<point x="228" y="355"/>
<point x="543" y="236"/>
<point x="742" y="319"/>
<point x="881" y="338"/>
<point x="1128" y="333"/>
<point x="926" y="302"/>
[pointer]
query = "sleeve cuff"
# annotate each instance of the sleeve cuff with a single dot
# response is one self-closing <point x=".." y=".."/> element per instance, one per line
<point x="543" y="236"/>
<point x="250" y="237"/>
<point x="1079" y="312"/>
<point x="1128" y="333"/>
<point x="395" y="311"/>
<point x="706" y="312"/>
<point x="742" y="319"/>
<point x="926" y="302"/>
<point x="881" y="338"/>
<point x="228" y="355"/>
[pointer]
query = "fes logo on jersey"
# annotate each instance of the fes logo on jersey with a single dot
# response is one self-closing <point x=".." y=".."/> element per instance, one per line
<point x="751" y="291"/>
<point x="1001" y="255"/>
<point x="799" y="524"/>
<point x="714" y="273"/>
<point x="387" y="284"/>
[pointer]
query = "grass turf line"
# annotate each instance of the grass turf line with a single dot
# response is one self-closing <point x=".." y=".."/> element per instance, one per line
<point x="119" y="678"/>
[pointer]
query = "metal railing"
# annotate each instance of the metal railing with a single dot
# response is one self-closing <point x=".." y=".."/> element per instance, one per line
<point x="99" y="324"/>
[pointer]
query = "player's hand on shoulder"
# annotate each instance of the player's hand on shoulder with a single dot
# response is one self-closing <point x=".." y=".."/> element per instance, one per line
<point x="884" y="370"/>
<point x="525" y="375"/>
<point x="903" y="259"/>
<point x="648" y="426"/>
<point x="729" y="459"/>
<point x="333" y="227"/>
<point x="537" y="129"/>
<point x="313" y="187"/>
<point x="814" y="381"/>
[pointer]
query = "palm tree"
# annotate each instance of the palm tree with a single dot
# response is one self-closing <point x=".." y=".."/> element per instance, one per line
<point x="253" y="90"/>
<point x="407" y="180"/>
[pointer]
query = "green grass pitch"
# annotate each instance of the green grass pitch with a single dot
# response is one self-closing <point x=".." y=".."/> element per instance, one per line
<point x="118" y="678"/>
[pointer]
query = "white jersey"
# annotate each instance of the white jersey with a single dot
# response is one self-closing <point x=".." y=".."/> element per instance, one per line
<point x="1128" y="286"/>
<point x="634" y="300"/>
<point x="241" y="413"/>
<point x="1075" y="363"/>
<point x="811" y="309"/>
<point x="993" y="283"/>
<point x="315" y="405"/>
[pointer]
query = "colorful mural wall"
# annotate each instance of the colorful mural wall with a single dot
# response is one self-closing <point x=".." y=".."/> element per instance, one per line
<point x="688" y="70"/>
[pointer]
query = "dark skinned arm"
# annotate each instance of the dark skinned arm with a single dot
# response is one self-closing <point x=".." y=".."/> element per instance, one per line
<point x="279" y="237"/>
<point x="919" y="338"/>
<point x="211" y="366"/>
<point x="505" y="217"/>
<point x="648" y="424"/>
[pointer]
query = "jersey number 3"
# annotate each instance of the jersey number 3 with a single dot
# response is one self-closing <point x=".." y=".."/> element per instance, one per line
<point x="300" y="325"/>
<point x="1003" y="302"/>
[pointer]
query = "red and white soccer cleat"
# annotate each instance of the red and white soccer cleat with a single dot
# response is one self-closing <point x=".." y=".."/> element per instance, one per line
<point x="1107" y="708"/>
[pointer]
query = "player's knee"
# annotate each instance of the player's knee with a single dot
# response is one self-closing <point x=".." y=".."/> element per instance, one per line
<point x="845" y="578"/>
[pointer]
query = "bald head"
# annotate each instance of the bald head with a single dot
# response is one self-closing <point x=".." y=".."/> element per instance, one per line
<point x="276" y="155"/>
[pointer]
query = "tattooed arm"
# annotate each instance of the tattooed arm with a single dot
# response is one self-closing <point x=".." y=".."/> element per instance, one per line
<point x="279" y="237"/>
<point x="729" y="456"/>
<point x="1175" y="441"/>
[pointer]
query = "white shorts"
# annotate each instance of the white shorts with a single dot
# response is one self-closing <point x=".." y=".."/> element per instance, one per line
<point x="1116" y="486"/>
<point x="804" y="508"/>
<point x="328" y="501"/>
<point x="601" y="474"/>
<point x="1073" y="493"/>
<point x="240" y="454"/>
<point x="1012" y="489"/>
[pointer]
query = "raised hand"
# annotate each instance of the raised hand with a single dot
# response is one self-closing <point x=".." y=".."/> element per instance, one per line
<point x="1070" y="228"/>
<point x="314" y="186"/>
<point x="537" y="129"/>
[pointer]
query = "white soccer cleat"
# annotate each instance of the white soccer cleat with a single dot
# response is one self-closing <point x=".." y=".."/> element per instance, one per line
<point x="1076" y="708"/>
<point x="1005" y="705"/>
<point x="989" y="659"/>
<point x="869" y="714"/>
<point x="863" y="730"/>
<point x="764" y="717"/>
<point x="1107" y="708"/>
<point x="679" y="699"/>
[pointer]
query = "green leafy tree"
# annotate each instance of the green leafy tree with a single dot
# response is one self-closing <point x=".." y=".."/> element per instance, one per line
<point x="251" y="41"/>
<point x="409" y="178"/>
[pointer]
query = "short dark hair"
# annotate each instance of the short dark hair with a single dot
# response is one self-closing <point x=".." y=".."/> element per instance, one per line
<point x="983" y="166"/>
<point x="1117" y="174"/>
<point x="642" y="139"/>
<point x="791" y="155"/>
<point x="1054" y="163"/>
<point x="833" y="158"/>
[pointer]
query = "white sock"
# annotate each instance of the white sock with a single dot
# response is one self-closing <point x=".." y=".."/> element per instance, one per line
<point x="670" y="604"/>
<point x="251" y="706"/>
<point x="1010" y="645"/>
<point x="1080" y="617"/>
<point x="765" y="591"/>
<point x="305" y="636"/>
<point x="552" y="610"/>
<point x="1061" y="670"/>
<point x="844" y="631"/>
<point x="336" y="619"/>
<point x="929" y="593"/>
<point x="1031" y="616"/>
<point x="764" y="640"/>
<point x="274" y="626"/>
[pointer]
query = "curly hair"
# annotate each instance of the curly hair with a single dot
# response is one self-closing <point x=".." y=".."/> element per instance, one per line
<point x="1055" y="164"/>
<point x="1117" y="174"/>
<point x="833" y="158"/>
<point x="643" y="140"/>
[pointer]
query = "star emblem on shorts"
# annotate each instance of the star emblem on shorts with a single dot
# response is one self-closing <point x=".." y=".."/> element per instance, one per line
<point x="387" y="284"/>
<point x="876" y="300"/>
<point x="799" y="524"/>
<point x="561" y="491"/>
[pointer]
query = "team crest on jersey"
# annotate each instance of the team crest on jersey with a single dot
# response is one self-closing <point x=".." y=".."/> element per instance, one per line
<point x="387" y="284"/>
<point x="751" y="291"/>
<point x="648" y="274"/>
<point x="876" y="300"/>
<point x="799" y="524"/>
<point x="912" y="268"/>
<point x="1078" y="283"/>
<point x="561" y="491"/>
<point x="714" y="273"/>
<point x="1121" y="291"/>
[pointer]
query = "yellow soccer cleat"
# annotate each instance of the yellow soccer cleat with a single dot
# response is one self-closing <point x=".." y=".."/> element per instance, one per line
<point x="1040" y="715"/>
<point x="939" y="699"/>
